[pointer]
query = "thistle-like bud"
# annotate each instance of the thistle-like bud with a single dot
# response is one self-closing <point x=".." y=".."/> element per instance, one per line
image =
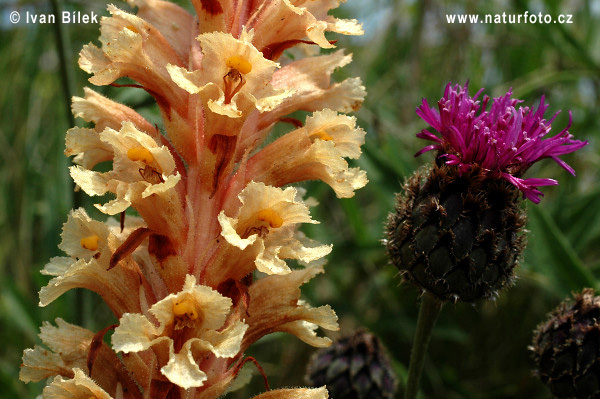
<point x="458" y="228"/>
<point x="458" y="237"/>
<point x="566" y="348"/>
<point x="353" y="367"/>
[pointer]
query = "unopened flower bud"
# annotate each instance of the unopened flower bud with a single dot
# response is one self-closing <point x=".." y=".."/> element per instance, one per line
<point x="353" y="367"/>
<point x="566" y="348"/>
<point x="459" y="237"/>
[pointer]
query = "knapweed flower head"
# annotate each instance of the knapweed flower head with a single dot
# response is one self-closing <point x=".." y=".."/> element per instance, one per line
<point x="355" y="366"/>
<point x="504" y="141"/>
<point x="195" y="266"/>
<point x="566" y="348"/>
<point x="457" y="230"/>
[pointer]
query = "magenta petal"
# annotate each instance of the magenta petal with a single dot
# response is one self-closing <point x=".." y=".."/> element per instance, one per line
<point x="428" y="148"/>
<point x="529" y="186"/>
<point x="533" y="195"/>
<point x="539" y="182"/>
<point x="429" y="115"/>
<point x="427" y="135"/>
<point x="564" y="165"/>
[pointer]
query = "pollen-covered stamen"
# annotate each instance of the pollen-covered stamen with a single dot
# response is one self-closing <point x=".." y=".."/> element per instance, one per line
<point x="148" y="173"/>
<point x="185" y="308"/>
<point x="186" y="313"/>
<point x="321" y="135"/>
<point x="90" y="242"/>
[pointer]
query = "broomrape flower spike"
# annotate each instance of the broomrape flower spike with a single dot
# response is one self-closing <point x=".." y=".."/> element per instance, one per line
<point x="203" y="272"/>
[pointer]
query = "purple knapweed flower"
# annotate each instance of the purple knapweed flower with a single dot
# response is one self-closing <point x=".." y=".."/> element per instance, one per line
<point x="504" y="141"/>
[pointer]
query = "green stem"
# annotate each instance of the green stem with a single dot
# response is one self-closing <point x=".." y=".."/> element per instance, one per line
<point x="63" y="56"/>
<point x="428" y="314"/>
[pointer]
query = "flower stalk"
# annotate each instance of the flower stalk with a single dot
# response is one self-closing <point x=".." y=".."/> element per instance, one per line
<point x="429" y="311"/>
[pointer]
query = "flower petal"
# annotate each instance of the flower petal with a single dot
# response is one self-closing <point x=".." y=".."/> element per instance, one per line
<point x="286" y="312"/>
<point x="182" y="369"/>
<point x="132" y="47"/>
<point x="105" y="112"/>
<point x="79" y="387"/>
<point x="135" y="333"/>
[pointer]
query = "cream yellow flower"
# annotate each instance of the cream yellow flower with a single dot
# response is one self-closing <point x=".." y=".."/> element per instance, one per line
<point x="302" y="20"/>
<point x="174" y="23"/>
<point x="265" y="228"/>
<point x="89" y="245"/>
<point x="105" y="112"/>
<point x="132" y="47"/>
<point x="295" y="393"/>
<point x="195" y="316"/>
<point x="328" y="125"/>
<point x="305" y="21"/>
<point x="318" y="161"/>
<point x="73" y="350"/>
<point x="317" y="151"/>
<point x="83" y="387"/>
<point x="310" y="80"/>
<point x="234" y="76"/>
<point x="143" y="173"/>
<point x="68" y="345"/>
<point x="202" y="273"/>
<point x="286" y="312"/>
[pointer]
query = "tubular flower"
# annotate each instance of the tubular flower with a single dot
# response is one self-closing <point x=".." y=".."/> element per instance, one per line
<point x="319" y="149"/>
<point x="458" y="228"/>
<point x="265" y="229"/>
<point x="240" y="70"/>
<point x="201" y="272"/>
<point x="90" y="244"/>
<point x="194" y="316"/>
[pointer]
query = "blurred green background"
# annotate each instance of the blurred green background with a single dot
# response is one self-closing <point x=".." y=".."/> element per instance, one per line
<point x="409" y="51"/>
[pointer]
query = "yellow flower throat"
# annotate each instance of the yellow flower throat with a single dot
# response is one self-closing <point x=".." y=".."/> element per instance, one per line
<point x="271" y="217"/>
<point x="185" y="307"/>
<point x="90" y="242"/>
